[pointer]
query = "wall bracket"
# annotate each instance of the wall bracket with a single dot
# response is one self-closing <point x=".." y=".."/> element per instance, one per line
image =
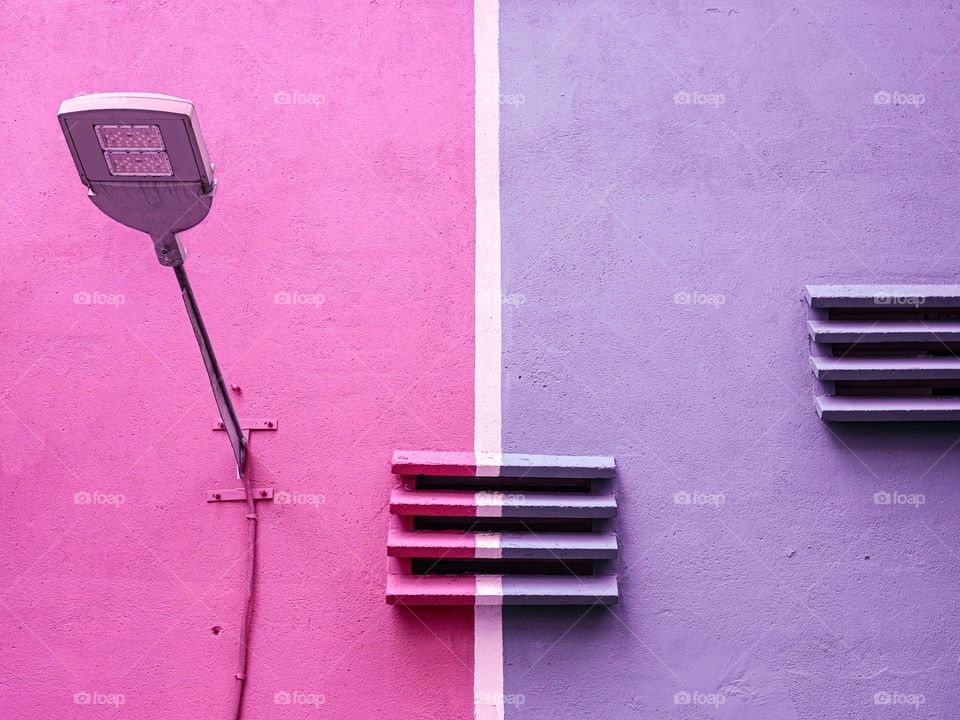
<point x="259" y="493"/>
<point x="247" y="425"/>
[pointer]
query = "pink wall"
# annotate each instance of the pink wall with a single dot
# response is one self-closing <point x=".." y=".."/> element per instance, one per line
<point x="363" y="196"/>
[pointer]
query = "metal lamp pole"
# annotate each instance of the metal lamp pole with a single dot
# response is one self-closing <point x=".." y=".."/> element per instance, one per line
<point x="224" y="404"/>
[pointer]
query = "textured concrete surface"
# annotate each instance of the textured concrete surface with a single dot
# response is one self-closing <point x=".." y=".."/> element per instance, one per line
<point x="661" y="246"/>
<point x="335" y="274"/>
<point x="673" y="174"/>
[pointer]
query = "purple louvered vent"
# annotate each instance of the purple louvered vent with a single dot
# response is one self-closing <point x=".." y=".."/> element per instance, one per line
<point x="886" y="352"/>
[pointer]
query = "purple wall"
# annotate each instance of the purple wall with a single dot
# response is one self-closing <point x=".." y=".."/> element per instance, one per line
<point x="789" y="592"/>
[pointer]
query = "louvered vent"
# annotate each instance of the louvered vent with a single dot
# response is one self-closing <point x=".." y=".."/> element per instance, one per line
<point x="467" y="529"/>
<point x="886" y="352"/>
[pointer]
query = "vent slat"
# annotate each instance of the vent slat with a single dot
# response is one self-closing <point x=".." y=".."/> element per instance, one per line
<point x="467" y="464"/>
<point x="923" y="368"/>
<point x="508" y="545"/>
<point x="880" y="296"/>
<point x="874" y="409"/>
<point x="827" y="332"/>
<point x="461" y="503"/>
<point x="501" y="590"/>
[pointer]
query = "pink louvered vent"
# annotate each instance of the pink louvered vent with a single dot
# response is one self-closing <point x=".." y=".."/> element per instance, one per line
<point x="473" y="529"/>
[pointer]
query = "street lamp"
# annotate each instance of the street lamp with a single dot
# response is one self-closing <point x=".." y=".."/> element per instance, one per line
<point x="145" y="163"/>
<point x="146" y="166"/>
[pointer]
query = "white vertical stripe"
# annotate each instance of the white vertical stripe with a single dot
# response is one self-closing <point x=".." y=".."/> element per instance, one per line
<point x="488" y="463"/>
<point x="490" y="591"/>
<point x="489" y="504"/>
<point x="487" y="424"/>
<point x="488" y="546"/>
<point x="487" y="420"/>
<point x="488" y="659"/>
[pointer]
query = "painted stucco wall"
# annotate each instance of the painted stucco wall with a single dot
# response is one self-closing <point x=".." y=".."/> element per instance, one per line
<point x="672" y="174"/>
<point x="661" y="249"/>
<point x="358" y="196"/>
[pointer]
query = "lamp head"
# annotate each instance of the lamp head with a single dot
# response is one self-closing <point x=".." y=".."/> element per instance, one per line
<point x="144" y="161"/>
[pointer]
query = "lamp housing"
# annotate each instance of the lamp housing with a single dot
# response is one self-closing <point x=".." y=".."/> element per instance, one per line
<point x="144" y="161"/>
